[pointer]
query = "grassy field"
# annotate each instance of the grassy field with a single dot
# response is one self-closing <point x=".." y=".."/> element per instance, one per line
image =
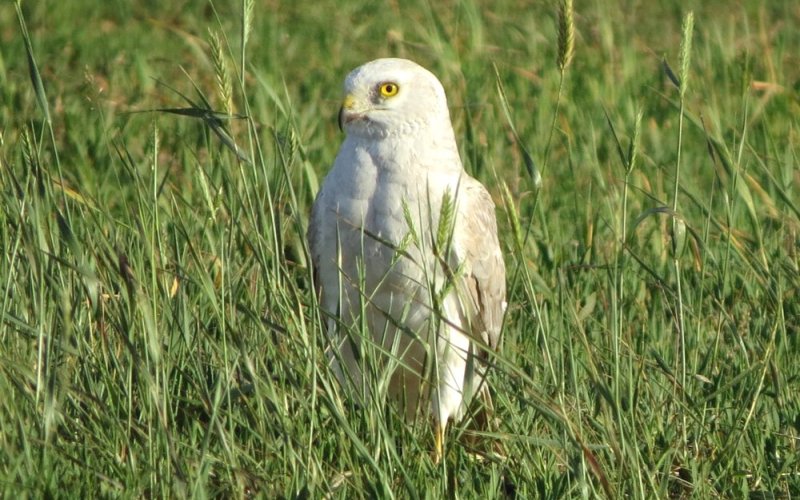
<point x="158" y="334"/>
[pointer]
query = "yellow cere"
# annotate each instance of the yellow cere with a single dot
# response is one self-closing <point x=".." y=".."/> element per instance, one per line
<point x="389" y="89"/>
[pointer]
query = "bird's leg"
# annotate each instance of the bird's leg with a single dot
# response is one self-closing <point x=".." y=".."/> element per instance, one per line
<point x="438" y="440"/>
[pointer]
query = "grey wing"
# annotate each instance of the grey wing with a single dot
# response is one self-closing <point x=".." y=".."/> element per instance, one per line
<point x="311" y="238"/>
<point x="319" y="250"/>
<point x="485" y="272"/>
<point x="314" y="239"/>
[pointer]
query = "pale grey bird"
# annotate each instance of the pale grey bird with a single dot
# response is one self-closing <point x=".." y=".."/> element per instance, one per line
<point x="407" y="263"/>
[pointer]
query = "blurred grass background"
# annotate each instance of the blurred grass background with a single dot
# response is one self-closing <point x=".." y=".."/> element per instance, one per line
<point x="159" y="336"/>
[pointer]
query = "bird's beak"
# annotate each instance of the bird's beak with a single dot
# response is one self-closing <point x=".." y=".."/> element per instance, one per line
<point x="347" y="105"/>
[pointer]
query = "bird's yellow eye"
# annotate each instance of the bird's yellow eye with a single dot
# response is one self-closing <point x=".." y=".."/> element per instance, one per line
<point x="389" y="89"/>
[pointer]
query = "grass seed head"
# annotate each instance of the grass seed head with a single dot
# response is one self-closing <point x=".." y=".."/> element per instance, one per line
<point x="686" y="49"/>
<point x="224" y="82"/>
<point x="566" y="34"/>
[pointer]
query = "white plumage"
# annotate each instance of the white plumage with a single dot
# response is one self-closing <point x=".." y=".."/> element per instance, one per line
<point x="413" y="293"/>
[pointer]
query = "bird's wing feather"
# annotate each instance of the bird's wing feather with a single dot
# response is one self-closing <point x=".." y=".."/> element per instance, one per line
<point x="312" y="239"/>
<point x="485" y="274"/>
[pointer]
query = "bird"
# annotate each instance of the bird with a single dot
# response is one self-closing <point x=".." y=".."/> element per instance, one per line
<point x="407" y="263"/>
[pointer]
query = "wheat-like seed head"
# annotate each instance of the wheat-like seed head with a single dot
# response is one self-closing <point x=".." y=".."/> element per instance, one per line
<point x="247" y="21"/>
<point x="224" y="83"/>
<point x="566" y="34"/>
<point x="686" y="50"/>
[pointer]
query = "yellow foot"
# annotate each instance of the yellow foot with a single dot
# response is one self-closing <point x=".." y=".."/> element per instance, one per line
<point x="438" y="441"/>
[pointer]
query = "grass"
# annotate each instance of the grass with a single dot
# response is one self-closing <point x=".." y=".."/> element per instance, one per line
<point x="159" y="336"/>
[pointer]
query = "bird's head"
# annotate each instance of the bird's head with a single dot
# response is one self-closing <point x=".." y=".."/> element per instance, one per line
<point x="387" y="97"/>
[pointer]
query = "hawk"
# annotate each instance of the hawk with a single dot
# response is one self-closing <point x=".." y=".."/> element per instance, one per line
<point x="407" y="262"/>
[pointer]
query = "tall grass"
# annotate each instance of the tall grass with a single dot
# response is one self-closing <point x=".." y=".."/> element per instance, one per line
<point x="160" y="335"/>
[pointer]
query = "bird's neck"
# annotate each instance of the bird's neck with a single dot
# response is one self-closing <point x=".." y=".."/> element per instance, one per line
<point x="424" y="148"/>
